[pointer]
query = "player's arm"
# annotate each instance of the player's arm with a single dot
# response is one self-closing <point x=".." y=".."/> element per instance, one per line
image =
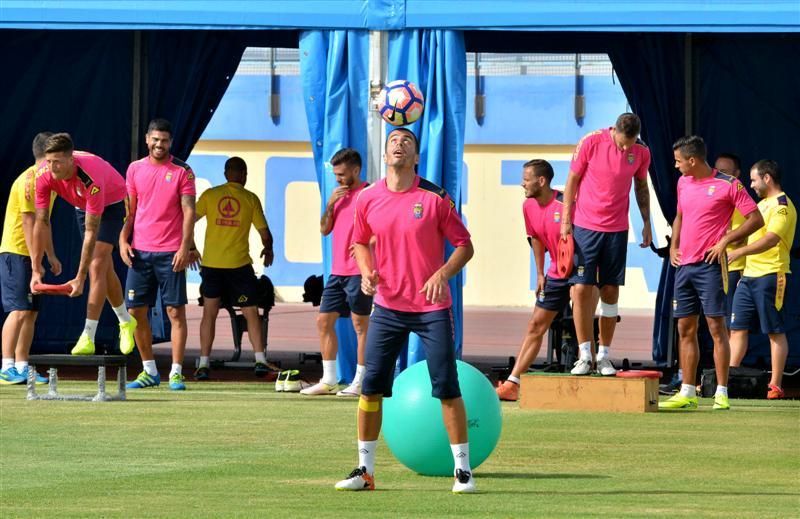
<point x="87" y="251"/>
<point x="764" y="243"/>
<point x="538" y="257"/>
<point x="327" y="219"/>
<point x="183" y="257"/>
<point x="266" y="241"/>
<point x="28" y="223"/>
<point x="570" y="190"/>
<point x="642" y="192"/>
<point x="125" y="250"/>
<point x="674" y="247"/>
<point x="41" y="235"/>
<point x="753" y="221"/>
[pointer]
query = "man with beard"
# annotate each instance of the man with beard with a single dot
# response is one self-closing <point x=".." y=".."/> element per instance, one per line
<point x="410" y="218"/>
<point x="342" y="296"/>
<point x="161" y="218"/>
<point x="542" y="211"/>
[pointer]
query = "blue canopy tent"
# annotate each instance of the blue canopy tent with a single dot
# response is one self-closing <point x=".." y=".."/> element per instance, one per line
<point x="722" y="69"/>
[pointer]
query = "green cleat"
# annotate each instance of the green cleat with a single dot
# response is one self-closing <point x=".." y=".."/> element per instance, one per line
<point x="84" y="346"/>
<point x="721" y="402"/>
<point x="126" y="342"/>
<point x="678" y="402"/>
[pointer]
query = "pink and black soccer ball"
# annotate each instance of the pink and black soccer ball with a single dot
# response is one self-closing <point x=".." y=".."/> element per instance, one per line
<point x="400" y="103"/>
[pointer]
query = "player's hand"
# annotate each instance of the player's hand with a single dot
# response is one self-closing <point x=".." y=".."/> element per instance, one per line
<point x="566" y="230"/>
<point x="716" y="253"/>
<point x="734" y="255"/>
<point x="339" y="192"/>
<point x="55" y="265"/>
<point x="194" y="259"/>
<point x="675" y="256"/>
<point x="268" y="255"/>
<point x="77" y="286"/>
<point x="36" y="278"/>
<point x="126" y="253"/>
<point x="647" y="237"/>
<point x="540" y="281"/>
<point x="181" y="259"/>
<point x="369" y="284"/>
<point x="435" y="288"/>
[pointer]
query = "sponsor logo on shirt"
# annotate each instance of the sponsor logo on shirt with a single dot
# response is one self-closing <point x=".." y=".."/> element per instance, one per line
<point x="556" y="217"/>
<point x="228" y="208"/>
<point x="94" y="190"/>
<point x="739" y="186"/>
<point x="711" y="190"/>
<point x="242" y="299"/>
<point x="782" y="211"/>
<point x="631" y="158"/>
<point x="418" y="210"/>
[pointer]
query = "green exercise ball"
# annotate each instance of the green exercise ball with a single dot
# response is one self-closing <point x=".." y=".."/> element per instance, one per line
<point x="413" y="427"/>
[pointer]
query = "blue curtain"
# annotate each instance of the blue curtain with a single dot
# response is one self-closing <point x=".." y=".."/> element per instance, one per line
<point x="435" y="60"/>
<point x="334" y="69"/>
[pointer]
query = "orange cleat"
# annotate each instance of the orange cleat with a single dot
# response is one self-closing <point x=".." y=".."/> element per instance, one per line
<point x="508" y="391"/>
<point x="775" y="393"/>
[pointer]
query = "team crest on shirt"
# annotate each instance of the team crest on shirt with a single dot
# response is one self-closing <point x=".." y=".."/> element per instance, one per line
<point x="556" y="217"/>
<point x="168" y="178"/>
<point x="94" y="190"/>
<point x="711" y="190"/>
<point x="418" y="210"/>
<point x="631" y="158"/>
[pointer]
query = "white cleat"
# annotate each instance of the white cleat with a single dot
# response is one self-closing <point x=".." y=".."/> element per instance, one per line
<point x="320" y="388"/>
<point x="605" y="368"/>
<point x="353" y="390"/>
<point x="463" y="482"/>
<point x="359" y="479"/>
<point x="582" y="367"/>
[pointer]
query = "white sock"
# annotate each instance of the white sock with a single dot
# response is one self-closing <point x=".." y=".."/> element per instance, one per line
<point x="366" y="455"/>
<point x="203" y="362"/>
<point x="460" y="455"/>
<point x="149" y="367"/>
<point x="721" y="390"/>
<point x="122" y="314"/>
<point x="8" y="362"/>
<point x="21" y="365"/>
<point x="585" y="349"/>
<point x="176" y="368"/>
<point x="602" y="352"/>
<point x="261" y="357"/>
<point x="329" y="372"/>
<point x="688" y="390"/>
<point x="90" y="328"/>
<point x="359" y="374"/>
<point x="512" y="378"/>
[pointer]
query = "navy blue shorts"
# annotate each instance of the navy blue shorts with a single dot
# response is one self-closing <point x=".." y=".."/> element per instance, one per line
<point x="343" y="295"/>
<point x="386" y="336"/>
<point x="699" y="286"/>
<point x="733" y="280"/>
<point x="237" y="286"/>
<point x="150" y="272"/>
<point x="15" y="283"/>
<point x="555" y="296"/>
<point x="599" y="257"/>
<point x="111" y="223"/>
<point x="754" y="307"/>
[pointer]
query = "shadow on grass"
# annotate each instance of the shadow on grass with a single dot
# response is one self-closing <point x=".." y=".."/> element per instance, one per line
<point x="647" y="492"/>
<point x="517" y="475"/>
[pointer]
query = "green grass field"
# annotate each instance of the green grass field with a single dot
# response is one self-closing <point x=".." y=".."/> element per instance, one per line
<point x="242" y="450"/>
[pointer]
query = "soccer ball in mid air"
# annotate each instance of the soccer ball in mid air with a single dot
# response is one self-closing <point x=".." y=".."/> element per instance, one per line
<point x="400" y="103"/>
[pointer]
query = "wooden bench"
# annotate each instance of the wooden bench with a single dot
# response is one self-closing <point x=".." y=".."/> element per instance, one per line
<point x="101" y="361"/>
<point x="588" y="393"/>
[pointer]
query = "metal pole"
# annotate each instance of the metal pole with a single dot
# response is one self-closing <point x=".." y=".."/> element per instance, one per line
<point x="375" y="125"/>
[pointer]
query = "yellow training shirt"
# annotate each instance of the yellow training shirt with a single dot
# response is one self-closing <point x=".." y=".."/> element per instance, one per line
<point x="230" y="210"/>
<point x="780" y="218"/>
<point x="736" y="220"/>
<point x="21" y="199"/>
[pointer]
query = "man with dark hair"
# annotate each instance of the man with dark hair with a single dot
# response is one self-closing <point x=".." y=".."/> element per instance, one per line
<point x="730" y="164"/>
<point x="227" y="270"/>
<point x="542" y="212"/>
<point x="598" y="186"/>
<point x="342" y="296"/>
<point x="161" y="217"/>
<point x="759" y="299"/>
<point x="15" y="270"/>
<point x="706" y="200"/>
<point x="410" y="219"/>
<point x="97" y="191"/>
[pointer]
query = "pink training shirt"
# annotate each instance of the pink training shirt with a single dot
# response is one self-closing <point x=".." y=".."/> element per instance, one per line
<point x="606" y="172"/>
<point x="94" y="186"/>
<point x="158" y="189"/>
<point x="343" y="221"/>
<point x="543" y="222"/>
<point x="707" y="206"/>
<point x="410" y="229"/>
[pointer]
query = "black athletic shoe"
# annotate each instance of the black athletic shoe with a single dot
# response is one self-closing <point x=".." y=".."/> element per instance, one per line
<point x="202" y="373"/>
